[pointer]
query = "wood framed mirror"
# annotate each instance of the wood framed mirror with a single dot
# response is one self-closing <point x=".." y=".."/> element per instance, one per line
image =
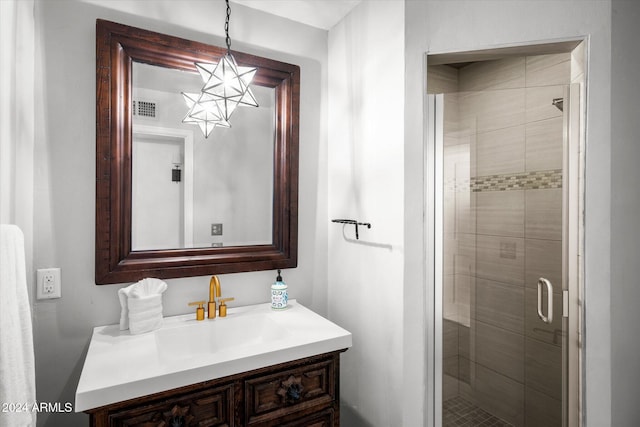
<point x="118" y="260"/>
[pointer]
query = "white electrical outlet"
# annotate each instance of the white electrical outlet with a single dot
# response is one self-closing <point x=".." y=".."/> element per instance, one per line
<point x="48" y="283"/>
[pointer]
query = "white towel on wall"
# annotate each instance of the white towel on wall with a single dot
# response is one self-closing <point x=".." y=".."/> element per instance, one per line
<point x="17" y="367"/>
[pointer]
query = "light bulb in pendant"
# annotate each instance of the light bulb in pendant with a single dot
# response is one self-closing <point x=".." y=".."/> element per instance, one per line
<point x="203" y="111"/>
<point x="228" y="84"/>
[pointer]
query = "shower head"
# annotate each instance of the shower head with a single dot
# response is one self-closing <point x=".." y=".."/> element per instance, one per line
<point x="558" y="103"/>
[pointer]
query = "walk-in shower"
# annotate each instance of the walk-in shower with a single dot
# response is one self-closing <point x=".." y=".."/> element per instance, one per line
<point x="500" y="133"/>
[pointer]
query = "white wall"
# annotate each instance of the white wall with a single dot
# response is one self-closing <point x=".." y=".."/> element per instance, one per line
<point x="470" y="24"/>
<point x="625" y="211"/>
<point x="17" y="63"/>
<point x="366" y="181"/>
<point x="64" y="188"/>
<point x="417" y="402"/>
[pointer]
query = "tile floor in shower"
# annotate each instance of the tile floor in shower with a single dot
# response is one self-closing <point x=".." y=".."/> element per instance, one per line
<point x="458" y="412"/>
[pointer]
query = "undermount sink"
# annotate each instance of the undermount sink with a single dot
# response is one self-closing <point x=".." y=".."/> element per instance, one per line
<point x="188" y="338"/>
<point x="121" y="366"/>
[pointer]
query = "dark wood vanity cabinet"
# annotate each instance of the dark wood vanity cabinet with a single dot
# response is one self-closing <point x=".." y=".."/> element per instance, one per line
<point x="211" y="406"/>
<point x="301" y="393"/>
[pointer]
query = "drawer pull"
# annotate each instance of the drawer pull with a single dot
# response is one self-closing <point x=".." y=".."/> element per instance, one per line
<point x="290" y="391"/>
<point x="294" y="391"/>
<point x="179" y="416"/>
<point x="177" y="421"/>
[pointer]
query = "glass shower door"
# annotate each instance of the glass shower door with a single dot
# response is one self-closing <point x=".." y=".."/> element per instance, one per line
<point x="499" y="268"/>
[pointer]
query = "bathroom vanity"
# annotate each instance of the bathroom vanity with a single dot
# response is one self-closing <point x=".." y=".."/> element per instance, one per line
<point x="256" y="367"/>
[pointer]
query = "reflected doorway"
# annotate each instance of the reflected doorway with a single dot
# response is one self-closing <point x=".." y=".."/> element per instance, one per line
<point x="162" y="189"/>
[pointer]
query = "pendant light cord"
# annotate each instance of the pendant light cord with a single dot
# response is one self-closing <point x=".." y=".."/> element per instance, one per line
<point x="226" y="27"/>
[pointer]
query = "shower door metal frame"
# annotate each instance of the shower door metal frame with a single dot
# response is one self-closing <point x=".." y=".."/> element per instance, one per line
<point x="573" y="249"/>
<point x="572" y="225"/>
<point x="433" y="162"/>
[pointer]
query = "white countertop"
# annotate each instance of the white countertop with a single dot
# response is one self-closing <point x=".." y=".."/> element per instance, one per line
<point x="120" y="366"/>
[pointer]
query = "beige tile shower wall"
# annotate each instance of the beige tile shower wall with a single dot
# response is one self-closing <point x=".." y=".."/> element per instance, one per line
<point x="538" y="102"/>
<point x="450" y="359"/>
<point x="459" y="237"/>
<point x="501" y="151"/>
<point x="543" y="214"/>
<point x="442" y="79"/>
<point x="507" y="73"/>
<point x="544" y="144"/>
<point x="458" y="259"/>
<point x="548" y="70"/>
<point x="493" y="110"/>
<point x="500" y="305"/>
<point x="515" y="139"/>
<point x="500" y="213"/>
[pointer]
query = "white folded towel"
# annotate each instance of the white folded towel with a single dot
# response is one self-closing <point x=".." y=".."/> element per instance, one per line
<point x="146" y="321"/>
<point x="145" y="315"/>
<point x="141" y="305"/>
<point x="17" y="368"/>
<point x="123" y="295"/>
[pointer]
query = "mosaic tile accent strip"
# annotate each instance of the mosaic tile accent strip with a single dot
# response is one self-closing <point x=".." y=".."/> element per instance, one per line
<point x="457" y="412"/>
<point x="518" y="181"/>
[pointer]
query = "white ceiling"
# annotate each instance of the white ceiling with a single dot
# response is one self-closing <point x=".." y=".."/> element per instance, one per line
<point x="322" y="14"/>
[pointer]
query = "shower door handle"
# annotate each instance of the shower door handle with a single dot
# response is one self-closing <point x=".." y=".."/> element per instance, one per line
<point x="549" y="317"/>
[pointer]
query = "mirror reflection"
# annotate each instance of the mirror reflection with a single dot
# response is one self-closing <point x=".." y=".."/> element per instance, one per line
<point x="192" y="192"/>
<point x="234" y="204"/>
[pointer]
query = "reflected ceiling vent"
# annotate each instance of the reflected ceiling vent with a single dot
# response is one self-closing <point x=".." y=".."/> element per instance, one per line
<point x="144" y="109"/>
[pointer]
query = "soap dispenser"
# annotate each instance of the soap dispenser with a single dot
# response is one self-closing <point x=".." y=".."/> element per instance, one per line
<point x="279" y="295"/>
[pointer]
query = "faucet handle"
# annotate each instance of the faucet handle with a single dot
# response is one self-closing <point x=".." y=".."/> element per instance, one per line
<point x="199" y="310"/>
<point x="223" y="306"/>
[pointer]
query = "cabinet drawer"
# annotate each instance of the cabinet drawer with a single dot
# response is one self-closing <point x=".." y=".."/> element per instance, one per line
<point x="272" y="396"/>
<point x="212" y="407"/>
<point x="322" y="419"/>
<point x="325" y="418"/>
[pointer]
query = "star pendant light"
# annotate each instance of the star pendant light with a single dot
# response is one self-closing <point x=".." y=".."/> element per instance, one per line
<point x="226" y="85"/>
<point x="204" y="112"/>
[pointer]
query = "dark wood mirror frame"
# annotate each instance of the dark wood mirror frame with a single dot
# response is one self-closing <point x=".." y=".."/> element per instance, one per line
<point x="117" y="47"/>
